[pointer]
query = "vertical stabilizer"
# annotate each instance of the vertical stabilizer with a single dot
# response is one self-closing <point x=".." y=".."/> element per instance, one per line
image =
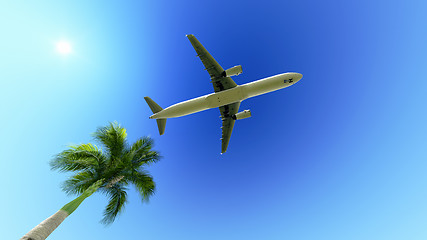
<point x="161" y="123"/>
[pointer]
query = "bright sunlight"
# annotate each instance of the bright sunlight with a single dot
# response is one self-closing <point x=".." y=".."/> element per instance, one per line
<point x="63" y="47"/>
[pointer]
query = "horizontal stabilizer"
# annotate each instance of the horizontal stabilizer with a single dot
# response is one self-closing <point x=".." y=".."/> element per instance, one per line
<point x="161" y="123"/>
<point x="153" y="105"/>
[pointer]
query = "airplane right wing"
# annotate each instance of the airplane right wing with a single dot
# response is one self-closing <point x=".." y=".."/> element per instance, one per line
<point x="227" y="123"/>
<point x="220" y="83"/>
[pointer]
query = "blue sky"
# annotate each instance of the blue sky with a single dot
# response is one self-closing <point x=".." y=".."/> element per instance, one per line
<point x="339" y="155"/>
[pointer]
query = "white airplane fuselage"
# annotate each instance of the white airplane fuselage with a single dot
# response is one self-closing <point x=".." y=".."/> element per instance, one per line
<point x="236" y="94"/>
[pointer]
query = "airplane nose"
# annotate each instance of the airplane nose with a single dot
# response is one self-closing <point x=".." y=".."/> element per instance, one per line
<point x="298" y="76"/>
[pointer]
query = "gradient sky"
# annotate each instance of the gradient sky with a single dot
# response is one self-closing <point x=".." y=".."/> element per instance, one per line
<point x="339" y="155"/>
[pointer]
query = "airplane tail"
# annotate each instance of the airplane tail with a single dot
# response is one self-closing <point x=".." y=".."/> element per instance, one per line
<point x="161" y="123"/>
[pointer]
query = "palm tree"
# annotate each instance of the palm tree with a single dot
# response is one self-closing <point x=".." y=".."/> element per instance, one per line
<point x="108" y="171"/>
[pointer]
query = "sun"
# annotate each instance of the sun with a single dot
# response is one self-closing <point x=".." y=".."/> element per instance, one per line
<point x="63" y="47"/>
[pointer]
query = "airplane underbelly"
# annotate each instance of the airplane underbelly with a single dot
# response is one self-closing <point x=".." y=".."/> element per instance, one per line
<point x="214" y="100"/>
<point x="184" y="108"/>
<point x="225" y="97"/>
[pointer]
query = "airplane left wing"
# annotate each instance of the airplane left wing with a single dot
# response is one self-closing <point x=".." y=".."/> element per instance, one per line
<point x="220" y="83"/>
<point x="227" y="123"/>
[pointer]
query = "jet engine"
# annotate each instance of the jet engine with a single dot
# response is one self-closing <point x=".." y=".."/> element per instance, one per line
<point x="234" y="71"/>
<point x="242" y="115"/>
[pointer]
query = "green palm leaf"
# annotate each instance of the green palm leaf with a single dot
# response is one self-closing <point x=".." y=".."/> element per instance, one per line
<point x="113" y="137"/>
<point x="115" y="163"/>
<point x="144" y="184"/>
<point x="78" y="157"/>
<point x="79" y="182"/>
<point x="118" y="198"/>
<point x="142" y="154"/>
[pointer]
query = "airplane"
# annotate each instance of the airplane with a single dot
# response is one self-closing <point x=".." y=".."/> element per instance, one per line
<point x="227" y="94"/>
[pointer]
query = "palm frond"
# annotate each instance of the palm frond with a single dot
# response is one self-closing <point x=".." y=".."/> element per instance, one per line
<point x="141" y="152"/>
<point x="113" y="137"/>
<point x="117" y="166"/>
<point x="79" y="182"/>
<point x="118" y="198"/>
<point x="144" y="184"/>
<point x="77" y="158"/>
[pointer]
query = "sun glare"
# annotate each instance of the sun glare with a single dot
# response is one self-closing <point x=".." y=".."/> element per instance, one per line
<point x="63" y="47"/>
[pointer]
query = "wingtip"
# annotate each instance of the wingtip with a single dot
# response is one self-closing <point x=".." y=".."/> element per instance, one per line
<point x="189" y="35"/>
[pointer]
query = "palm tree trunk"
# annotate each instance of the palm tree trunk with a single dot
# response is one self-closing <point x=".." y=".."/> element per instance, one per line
<point x="114" y="181"/>
<point x="45" y="228"/>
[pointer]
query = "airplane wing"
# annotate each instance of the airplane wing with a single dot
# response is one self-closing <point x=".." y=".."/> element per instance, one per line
<point x="227" y="123"/>
<point x="215" y="70"/>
